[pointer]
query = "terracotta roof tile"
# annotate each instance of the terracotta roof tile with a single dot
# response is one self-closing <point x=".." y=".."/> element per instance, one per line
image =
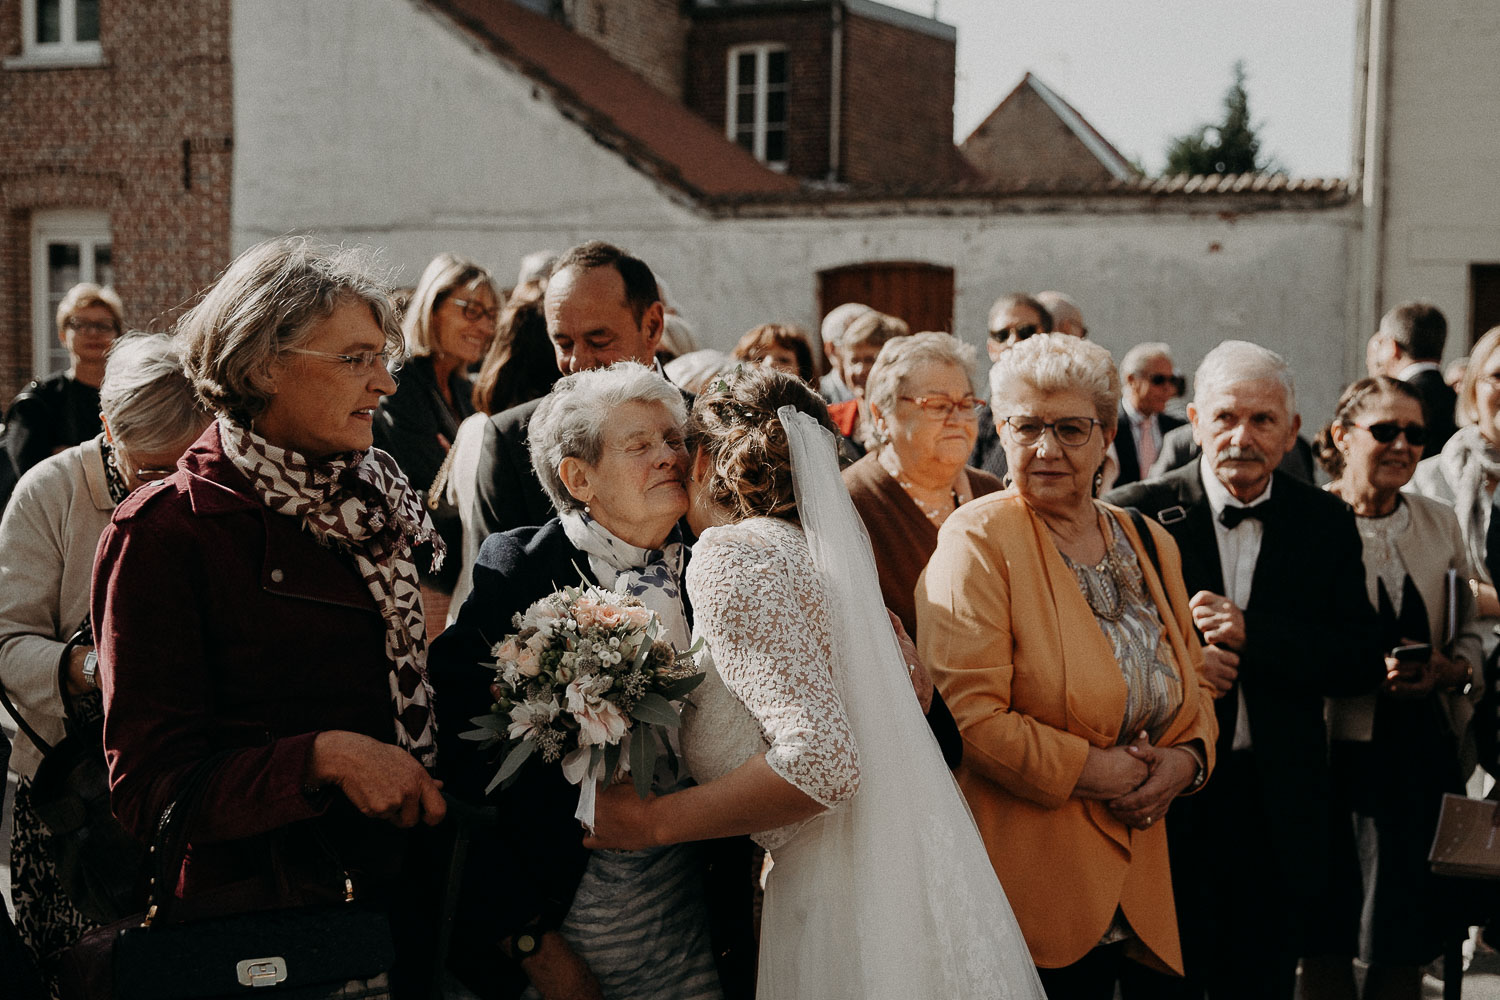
<point x="620" y="108"/>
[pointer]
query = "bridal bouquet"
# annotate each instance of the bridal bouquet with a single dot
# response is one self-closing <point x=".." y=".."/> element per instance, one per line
<point x="584" y="680"/>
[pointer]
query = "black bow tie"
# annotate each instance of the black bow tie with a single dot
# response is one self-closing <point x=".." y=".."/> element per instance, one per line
<point x="1230" y="517"/>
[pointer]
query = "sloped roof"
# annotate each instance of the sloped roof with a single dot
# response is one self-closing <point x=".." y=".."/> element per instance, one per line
<point x="1033" y="128"/>
<point x="620" y="109"/>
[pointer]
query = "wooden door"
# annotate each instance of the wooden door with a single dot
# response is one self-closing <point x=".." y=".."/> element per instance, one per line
<point x="921" y="294"/>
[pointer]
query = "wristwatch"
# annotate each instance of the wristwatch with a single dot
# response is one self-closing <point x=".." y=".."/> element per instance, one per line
<point x="525" y="944"/>
<point x="91" y="669"/>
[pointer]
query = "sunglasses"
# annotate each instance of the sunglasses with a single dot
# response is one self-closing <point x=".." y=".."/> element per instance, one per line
<point x="1158" y="379"/>
<point x="1016" y="333"/>
<point x="1386" y="431"/>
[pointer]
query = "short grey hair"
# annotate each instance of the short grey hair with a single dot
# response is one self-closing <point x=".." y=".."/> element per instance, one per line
<point x="571" y="419"/>
<point x="1136" y="359"/>
<point x="1236" y="361"/>
<point x="1056" y="362"/>
<point x="145" y="395"/>
<point x="903" y="357"/>
<point x="267" y="301"/>
<point x="837" y="322"/>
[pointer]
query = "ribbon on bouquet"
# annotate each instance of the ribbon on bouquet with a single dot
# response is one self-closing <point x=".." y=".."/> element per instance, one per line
<point x="580" y="768"/>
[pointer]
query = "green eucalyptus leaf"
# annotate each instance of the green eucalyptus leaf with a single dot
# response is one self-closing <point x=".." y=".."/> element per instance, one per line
<point x="512" y="764"/>
<point x="656" y="710"/>
<point x="643" y="759"/>
<point x="675" y="690"/>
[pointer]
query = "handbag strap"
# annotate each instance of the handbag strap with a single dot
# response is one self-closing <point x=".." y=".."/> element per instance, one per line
<point x="169" y="849"/>
<point x="434" y="496"/>
<point x="84" y="636"/>
<point x="22" y="724"/>
<point x="1147" y="542"/>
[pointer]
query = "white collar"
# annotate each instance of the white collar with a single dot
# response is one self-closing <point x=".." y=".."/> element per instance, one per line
<point x="1218" y="494"/>
<point x="1416" y="368"/>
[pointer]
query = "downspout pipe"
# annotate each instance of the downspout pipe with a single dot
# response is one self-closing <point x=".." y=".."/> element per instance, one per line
<point x="836" y="92"/>
<point x="1377" y="115"/>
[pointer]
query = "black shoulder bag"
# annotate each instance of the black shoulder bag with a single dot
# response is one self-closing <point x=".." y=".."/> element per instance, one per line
<point x="98" y="863"/>
<point x="341" y="950"/>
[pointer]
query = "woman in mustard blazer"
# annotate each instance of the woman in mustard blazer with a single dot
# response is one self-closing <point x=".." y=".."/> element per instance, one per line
<point x="1070" y="663"/>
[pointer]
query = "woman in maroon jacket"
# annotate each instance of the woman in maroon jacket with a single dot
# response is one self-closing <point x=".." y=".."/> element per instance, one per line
<point x="260" y="608"/>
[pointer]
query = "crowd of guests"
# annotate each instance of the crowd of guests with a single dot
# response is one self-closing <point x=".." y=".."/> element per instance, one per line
<point x="1202" y="708"/>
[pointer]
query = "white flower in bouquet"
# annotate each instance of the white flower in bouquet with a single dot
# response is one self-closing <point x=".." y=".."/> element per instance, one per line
<point x="600" y="721"/>
<point x="530" y="718"/>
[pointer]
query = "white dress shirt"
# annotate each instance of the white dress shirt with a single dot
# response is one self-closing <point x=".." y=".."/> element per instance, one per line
<point x="1239" y="548"/>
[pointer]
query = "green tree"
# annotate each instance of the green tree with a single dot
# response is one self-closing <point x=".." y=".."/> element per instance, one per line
<point x="1230" y="147"/>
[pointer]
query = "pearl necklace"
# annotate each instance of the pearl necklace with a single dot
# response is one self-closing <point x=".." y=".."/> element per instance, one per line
<point x="935" y="515"/>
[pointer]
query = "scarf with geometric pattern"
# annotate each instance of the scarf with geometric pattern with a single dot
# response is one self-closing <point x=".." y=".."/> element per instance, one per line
<point x="360" y="503"/>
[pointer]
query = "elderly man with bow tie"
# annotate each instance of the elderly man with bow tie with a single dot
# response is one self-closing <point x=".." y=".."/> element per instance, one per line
<point x="1274" y="568"/>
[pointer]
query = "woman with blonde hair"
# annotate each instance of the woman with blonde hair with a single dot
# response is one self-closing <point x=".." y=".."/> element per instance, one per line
<point x="1058" y="629"/>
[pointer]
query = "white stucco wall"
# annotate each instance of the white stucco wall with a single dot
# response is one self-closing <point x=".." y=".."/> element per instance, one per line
<point x="376" y="121"/>
<point x="1443" y="149"/>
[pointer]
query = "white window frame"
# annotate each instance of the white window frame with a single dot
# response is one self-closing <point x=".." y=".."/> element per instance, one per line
<point x="68" y="51"/>
<point x="86" y="228"/>
<point x="762" y="52"/>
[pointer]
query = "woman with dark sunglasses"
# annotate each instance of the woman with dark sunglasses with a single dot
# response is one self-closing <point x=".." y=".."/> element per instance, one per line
<point x="1394" y="752"/>
<point x="448" y="325"/>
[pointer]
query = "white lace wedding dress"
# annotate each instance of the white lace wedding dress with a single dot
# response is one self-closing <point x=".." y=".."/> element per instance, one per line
<point x="888" y="893"/>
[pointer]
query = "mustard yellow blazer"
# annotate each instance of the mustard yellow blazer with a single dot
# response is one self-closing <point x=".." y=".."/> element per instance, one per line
<point x="1033" y="682"/>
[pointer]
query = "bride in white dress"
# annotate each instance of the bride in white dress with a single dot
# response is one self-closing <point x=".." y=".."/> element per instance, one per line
<point x="806" y="732"/>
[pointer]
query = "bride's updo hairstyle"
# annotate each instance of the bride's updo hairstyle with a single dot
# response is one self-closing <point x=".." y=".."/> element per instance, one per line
<point x="734" y="423"/>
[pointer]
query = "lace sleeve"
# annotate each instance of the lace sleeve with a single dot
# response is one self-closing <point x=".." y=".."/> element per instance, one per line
<point x="763" y="614"/>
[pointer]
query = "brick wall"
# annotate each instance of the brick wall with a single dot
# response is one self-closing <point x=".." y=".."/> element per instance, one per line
<point x="649" y="36"/>
<point x="1023" y="139"/>
<point x="806" y="35"/>
<point x="898" y="105"/>
<point x="111" y="138"/>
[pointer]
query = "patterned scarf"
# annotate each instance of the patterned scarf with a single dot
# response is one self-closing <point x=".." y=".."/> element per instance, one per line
<point x="360" y="503"/>
<point x="653" y="575"/>
<point x="1467" y="462"/>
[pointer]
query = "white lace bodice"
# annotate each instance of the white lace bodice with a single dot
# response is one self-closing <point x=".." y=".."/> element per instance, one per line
<point x="763" y="612"/>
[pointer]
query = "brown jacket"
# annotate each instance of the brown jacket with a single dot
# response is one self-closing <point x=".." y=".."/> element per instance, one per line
<point x="1033" y="683"/>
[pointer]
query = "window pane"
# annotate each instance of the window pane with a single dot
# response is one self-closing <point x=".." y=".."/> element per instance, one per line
<point x="745" y="71"/>
<point x="776" y="107"/>
<point x="63" y="267"/>
<point x="88" y="20"/>
<point x="776" y="67"/>
<point x="775" y="145"/>
<point x="744" y="109"/>
<point x="48" y="21"/>
<point x="746" y="138"/>
<point x="104" y="271"/>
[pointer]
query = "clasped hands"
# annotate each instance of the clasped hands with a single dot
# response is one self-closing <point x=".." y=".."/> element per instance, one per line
<point x="1222" y="625"/>
<point x="1138" y="781"/>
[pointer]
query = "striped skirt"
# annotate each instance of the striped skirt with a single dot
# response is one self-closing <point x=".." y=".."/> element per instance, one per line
<point x="639" y="921"/>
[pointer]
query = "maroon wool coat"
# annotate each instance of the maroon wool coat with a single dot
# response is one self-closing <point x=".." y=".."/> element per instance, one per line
<point x="223" y="626"/>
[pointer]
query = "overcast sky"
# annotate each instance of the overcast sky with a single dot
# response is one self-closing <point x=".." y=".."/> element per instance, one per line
<point x="1144" y="71"/>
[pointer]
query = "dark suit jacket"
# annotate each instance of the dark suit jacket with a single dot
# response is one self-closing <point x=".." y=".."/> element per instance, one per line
<point x="988" y="455"/>
<point x="529" y="864"/>
<point x="1310" y="633"/>
<point x="1438" y="402"/>
<point x="509" y="493"/>
<point x="1130" y="463"/>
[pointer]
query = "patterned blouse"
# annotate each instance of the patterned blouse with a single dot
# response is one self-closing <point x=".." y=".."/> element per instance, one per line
<point x="1117" y="594"/>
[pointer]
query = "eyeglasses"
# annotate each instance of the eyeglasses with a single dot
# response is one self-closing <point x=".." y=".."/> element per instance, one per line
<point x="363" y="363"/>
<point x="475" y="311"/>
<point x="943" y="407"/>
<point x="151" y="475"/>
<point x="85" y="326"/>
<point x="1387" y="430"/>
<point x="1071" y="432"/>
<point x="1015" y="333"/>
<point x="1158" y="379"/>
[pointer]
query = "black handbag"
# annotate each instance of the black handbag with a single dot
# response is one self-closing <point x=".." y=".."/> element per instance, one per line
<point x="339" y="950"/>
<point x="98" y="863"/>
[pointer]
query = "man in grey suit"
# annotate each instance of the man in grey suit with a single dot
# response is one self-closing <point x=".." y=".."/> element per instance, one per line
<point x="602" y="305"/>
<point x="1150" y="380"/>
